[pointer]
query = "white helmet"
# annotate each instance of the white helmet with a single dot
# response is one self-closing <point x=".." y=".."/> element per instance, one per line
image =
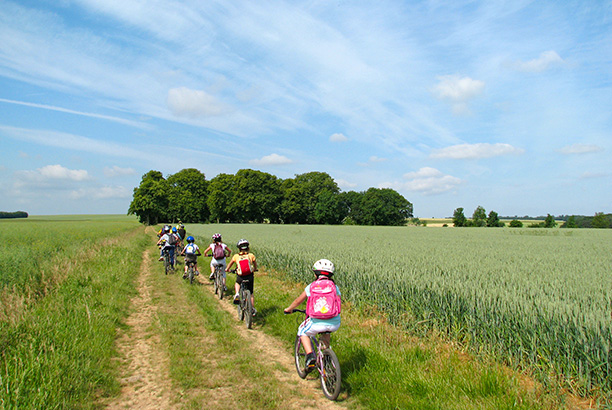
<point x="323" y="267"/>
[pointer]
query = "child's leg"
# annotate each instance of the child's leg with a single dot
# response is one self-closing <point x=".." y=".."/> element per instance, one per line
<point x="306" y="343"/>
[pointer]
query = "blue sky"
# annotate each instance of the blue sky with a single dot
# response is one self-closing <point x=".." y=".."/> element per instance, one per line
<point x="502" y="104"/>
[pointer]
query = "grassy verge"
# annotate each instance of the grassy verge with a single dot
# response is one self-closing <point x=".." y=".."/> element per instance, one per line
<point x="57" y="353"/>
<point x="384" y="368"/>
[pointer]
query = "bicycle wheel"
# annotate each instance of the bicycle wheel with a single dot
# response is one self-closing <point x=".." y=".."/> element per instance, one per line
<point x="248" y="309"/>
<point x="331" y="377"/>
<point x="191" y="274"/>
<point x="215" y="282"/>
<point x="300" y="358"/>
<point x="166" y="262"/>
<point x="219" y="283"/>
<point x="240" y="305"/>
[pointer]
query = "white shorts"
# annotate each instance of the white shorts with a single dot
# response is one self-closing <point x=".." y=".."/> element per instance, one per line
<point x="310" y="328"/>
<point x="214" y="262"/>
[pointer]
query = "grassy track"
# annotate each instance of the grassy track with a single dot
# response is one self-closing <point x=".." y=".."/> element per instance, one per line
<point x="71" y="283"/>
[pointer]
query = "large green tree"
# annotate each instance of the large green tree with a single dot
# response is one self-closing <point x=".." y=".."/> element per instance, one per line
<point x="301" y="195"/>
<point x="479" y="217"/>
<point x="150" y="200"/>
<point x="220" y="196"/>
<point x="600" y="220"/>
<point x="187" y="196"/>
<point x="256" y="196"/>
<point x="385" y="207"/>
<point x="330" y="209"/>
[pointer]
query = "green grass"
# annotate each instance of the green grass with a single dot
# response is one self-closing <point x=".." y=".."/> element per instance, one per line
<point x="536" y="298"/>
<point x="57" y="352"/>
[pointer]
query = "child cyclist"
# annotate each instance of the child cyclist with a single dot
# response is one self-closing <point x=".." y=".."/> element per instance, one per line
<point x="322" y="308"/>
<point x="191" y="253"/>
<point x="246" y="265"/>
<point x="219" y="251"/>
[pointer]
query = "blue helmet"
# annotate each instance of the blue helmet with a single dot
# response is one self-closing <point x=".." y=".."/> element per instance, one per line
<point x="190" y="239"/>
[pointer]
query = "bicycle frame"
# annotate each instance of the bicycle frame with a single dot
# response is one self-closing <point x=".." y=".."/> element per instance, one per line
<point x="327" y="363"/>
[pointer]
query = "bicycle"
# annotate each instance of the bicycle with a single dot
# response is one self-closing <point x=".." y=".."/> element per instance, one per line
<point x="245" y="303"/>
<point x="167" y="265"/>
<point x="190" y="271"/>
<point x="326" y="363"/>
<point x="219" y="281"/>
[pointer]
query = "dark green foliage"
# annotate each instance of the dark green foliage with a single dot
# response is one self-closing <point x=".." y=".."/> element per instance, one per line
<point x="384" y="207"/>
<point x="479" y="217"/>
<point x="493" y="220"/>
<point x="550" y="222"/>
<point x="515" y="223"/>
<point x="187" y="196"/>
<point x="150" y="200"/>
<point x="459" y="218"/>
<point x="18" y="214"/>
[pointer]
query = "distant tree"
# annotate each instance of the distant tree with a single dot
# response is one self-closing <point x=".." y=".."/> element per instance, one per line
<point x="479" y="217"/>
<point x="600" y="221"/>
<point x="352" y="201"/>
<point x="493" y="220"/>
<point x="256" y="197"/>
<point x="550" y="222"/>
<point x="187" y="196"/>
<point x="385" y="207"/>
<point x="220" y="196"/>
<point x="515" y="223"/>
<point x="570" y="223"/>
<point x="459" y="219"/>
<point x="301" y="194"/>
<point x="12" y="215"/>
<point x="329" y="209"/>
<point x="150" y="200"/>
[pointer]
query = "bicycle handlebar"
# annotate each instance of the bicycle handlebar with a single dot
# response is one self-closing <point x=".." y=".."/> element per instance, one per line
<point x="295" y="311"/>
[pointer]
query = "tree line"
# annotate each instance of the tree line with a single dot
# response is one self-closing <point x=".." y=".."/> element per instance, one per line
<point x="17" y="214"/>
<point x="260" y="197"/>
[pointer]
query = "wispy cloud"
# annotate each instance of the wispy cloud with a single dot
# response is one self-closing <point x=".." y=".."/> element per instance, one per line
<point x="338" y="137"/>
<point x="116" y="171"/>
<point x="458" y="91"/>
<point x="476" y="151"/>
<point x="137" y="124"/>
<point x="427" y="180"/>
<point x="184" y="102"/>
<point x="578" y="149"/>
<point x="272" y="160"/>
<point x="545" y="61"/>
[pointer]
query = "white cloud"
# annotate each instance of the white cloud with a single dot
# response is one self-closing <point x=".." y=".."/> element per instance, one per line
<point x="272" y="159"/>
<point x="374" y="158"/>
<point x="476" y="151"/>
<point x="580" y="149"/>
<point x="185" y="102"/>
<point x="338" y="137"/>
<point x="542" y="63"/>
<point x="458" y="91"/>
<point x="59" y="172"/>
<point x="105" y="192"/>
<point x="116" y="171"/>
<point x="428" y="181"/>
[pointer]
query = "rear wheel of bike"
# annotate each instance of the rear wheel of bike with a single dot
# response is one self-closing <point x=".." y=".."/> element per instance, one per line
<point x="300" y="358"/>
<point x="166" y="261"/>
<point x="219" y="283"/>
<point x="240" y="305"/>
<point x="331" y="377"/>
<point x="191" y="274"/>
<point x="248" y="309"/>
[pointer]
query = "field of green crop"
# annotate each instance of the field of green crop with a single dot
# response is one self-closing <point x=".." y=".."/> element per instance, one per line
<point x="532" y="297"/>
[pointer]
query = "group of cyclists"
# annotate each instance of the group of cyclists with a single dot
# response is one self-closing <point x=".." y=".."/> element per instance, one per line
<point x="172" y="238"/>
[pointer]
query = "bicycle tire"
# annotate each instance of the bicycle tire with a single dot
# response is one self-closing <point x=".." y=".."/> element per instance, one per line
<point x="300" y="358"/>
<point x="191" y="275"/>
<point x="240" y="305"/>
<point x="215" y="282"/>
<point x="166" y="262"/>
<point x="248" y="309"/>
<point x="330" y="374"/>
<point x="219" y="283"/>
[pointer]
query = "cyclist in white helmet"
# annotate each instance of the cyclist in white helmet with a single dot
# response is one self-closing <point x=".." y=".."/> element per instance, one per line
<point x="219" y="251"/>
<point x="311" y="326"/>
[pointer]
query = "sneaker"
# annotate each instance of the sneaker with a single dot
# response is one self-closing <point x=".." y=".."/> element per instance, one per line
<point x="212" y="276"/>
<point x="236" y="299"/>
<point x="310" y="362"/>
<point x="197" y="273"/>
<point x="161" y="258"/>
<point x="184" y="276"/>
<point x="254" y="311"/>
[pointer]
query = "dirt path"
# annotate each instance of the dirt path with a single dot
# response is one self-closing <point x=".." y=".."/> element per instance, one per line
<point x="144" y="365"/>
<point x="145" y="358"/>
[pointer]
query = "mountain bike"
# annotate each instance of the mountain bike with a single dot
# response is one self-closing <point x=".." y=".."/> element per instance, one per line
<point x="219" y="281"/>
<point x="245" y="303"/>
<point x="327" y="363"/>
<point x="167" y="265"/>
<point x="190" y="271"/>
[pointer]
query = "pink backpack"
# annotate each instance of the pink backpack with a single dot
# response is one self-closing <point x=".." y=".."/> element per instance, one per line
<point x="324" y="301"/>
